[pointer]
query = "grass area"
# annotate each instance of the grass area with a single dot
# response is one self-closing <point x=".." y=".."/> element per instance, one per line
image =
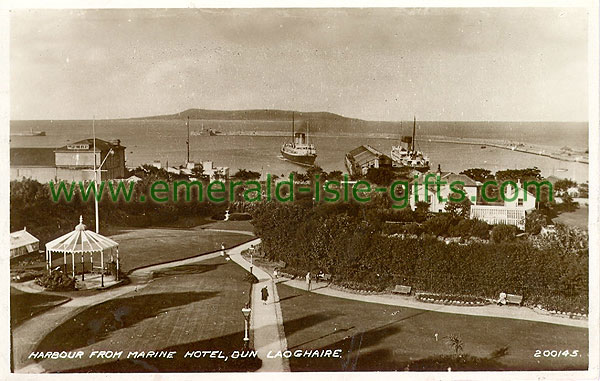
<point x="578" y="218"/>
<point x="184" y="308"/>
<point x="24" y="305"/>
<point x="143" y="247"/>
<point x="380" y="337"/>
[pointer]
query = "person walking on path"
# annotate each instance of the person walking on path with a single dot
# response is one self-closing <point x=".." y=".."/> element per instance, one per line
<point x="264" y="294"/>
<point x="308" y="281"/>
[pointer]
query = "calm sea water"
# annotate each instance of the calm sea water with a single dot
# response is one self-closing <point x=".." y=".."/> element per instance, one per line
<point x="147" y="141"/>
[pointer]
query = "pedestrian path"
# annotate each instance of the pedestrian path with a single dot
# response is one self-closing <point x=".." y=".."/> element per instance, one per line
<point x="509" y="312"/>
<point x="266" y="319"/>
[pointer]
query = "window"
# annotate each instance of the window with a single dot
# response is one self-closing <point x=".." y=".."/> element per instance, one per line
<point x="520" y="203"/>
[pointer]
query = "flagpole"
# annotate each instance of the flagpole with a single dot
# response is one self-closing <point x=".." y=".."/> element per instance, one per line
<point x="95" y="177"/>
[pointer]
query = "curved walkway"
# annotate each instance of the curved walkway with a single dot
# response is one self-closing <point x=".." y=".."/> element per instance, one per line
<point x="229" y="231"/>
<point x="507" y="312"/>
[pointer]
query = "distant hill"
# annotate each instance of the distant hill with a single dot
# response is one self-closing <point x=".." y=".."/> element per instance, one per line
<point x="276" y="120"/>
<point x="269" y="115"/>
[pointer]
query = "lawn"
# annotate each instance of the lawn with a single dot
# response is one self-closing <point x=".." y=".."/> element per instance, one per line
<point x="143" y="247"/>
<point x="190" y="307"/>
<point x="381" y="337"/>
<point x="24" y="305"/>
<point x="578" y="218"/>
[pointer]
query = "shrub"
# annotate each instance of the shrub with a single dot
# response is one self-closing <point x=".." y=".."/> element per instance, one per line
<point x="534" y="221"/>
<point x="503" y="233"/>
<point x="550" y="272"/>
<point x="439" y="225"/>
<point x="25" y="276"/>
<point x="56" y="281"/>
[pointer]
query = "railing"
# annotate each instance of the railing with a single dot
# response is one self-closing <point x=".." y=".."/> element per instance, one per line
<point x="493" y="214"/>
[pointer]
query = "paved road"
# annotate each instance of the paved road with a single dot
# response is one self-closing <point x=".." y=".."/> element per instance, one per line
<point x="266" y="319"/>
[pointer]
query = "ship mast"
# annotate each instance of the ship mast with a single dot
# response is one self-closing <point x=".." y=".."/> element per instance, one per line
<point x="188" y="140"/>
<point x="293" y="134"/>
<point x="413" y="136"/>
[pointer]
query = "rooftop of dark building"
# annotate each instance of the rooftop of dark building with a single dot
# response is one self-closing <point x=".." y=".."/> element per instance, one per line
<point x="32" y="157"/>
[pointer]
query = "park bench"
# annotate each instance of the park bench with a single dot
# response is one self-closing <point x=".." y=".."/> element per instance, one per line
<point x="400" y="289"/>
<point x="514" y="299"/>
<point x="325" y="277"/>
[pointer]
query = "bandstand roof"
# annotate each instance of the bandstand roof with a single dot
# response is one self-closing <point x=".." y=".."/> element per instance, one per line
<point x="81" y="240"/>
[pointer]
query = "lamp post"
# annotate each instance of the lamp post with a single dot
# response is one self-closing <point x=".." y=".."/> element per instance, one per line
<point x="251" y="263"/>
<point x="246" y="312"/>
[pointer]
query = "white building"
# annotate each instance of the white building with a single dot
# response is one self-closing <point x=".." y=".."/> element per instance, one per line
<point x="22" y="242"/>
<point x="427" y="189"/>
<point x="511" y="211"/>
<point x="214" y="173"/>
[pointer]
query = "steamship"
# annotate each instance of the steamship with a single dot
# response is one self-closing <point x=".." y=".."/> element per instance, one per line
<point x="299" y="151"/>
<point x="407" y="156"/>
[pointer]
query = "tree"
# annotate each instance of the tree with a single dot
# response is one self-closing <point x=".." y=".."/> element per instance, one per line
<point x="504" y="233"/>
<point x="381" y="176"/>
<point x="456" y="343"/>
<point x="312" y="172"/>
<point x="526" y="174"/>
<point x="478" y="174"/>
<point x="459" y="209"/>
<point x="335" y="176"/>
<point x="300" y="177"/>
<point x="534" y="221"/>
<point x="421" y="211"/>
<point x="245" y="175"/>
<point x="568" y="205"/>
<point x="561" y="186"/>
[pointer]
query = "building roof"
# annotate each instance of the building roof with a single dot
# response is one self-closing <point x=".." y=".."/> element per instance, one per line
<point x="22" y="238"/>
<point x="364" y="154"/>
<point x="32" y="157"/>
<point x="81" y="240"/>
<point x="87" y="145"/>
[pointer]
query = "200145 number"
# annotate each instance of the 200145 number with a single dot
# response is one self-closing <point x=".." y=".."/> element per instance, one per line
<point x="556" y="353"/>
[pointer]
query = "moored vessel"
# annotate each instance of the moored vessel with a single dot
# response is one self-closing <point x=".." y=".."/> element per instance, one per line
<point x="299" y="150"/>
<point x="30" y="133"/>
<point x="406" y="155"/>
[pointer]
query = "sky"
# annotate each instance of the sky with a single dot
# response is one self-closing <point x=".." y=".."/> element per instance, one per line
<point x="496" y="64"/>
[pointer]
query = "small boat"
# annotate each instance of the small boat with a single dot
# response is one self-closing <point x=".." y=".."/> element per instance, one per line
<point x="204" y="132"/>
<point x="30" y="133"/>
<point x="299" y="151"/>
<point x="483" y="147"/>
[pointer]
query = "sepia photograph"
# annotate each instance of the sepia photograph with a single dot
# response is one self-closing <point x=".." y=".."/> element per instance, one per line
<point x="404" y="189"/>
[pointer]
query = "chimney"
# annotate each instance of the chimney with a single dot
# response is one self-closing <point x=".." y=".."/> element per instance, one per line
<point x="439" y="170"/>
<point x="115" y="142"/>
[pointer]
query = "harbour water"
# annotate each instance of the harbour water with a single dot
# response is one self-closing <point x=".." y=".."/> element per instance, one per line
<point x="147" y="141"/>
